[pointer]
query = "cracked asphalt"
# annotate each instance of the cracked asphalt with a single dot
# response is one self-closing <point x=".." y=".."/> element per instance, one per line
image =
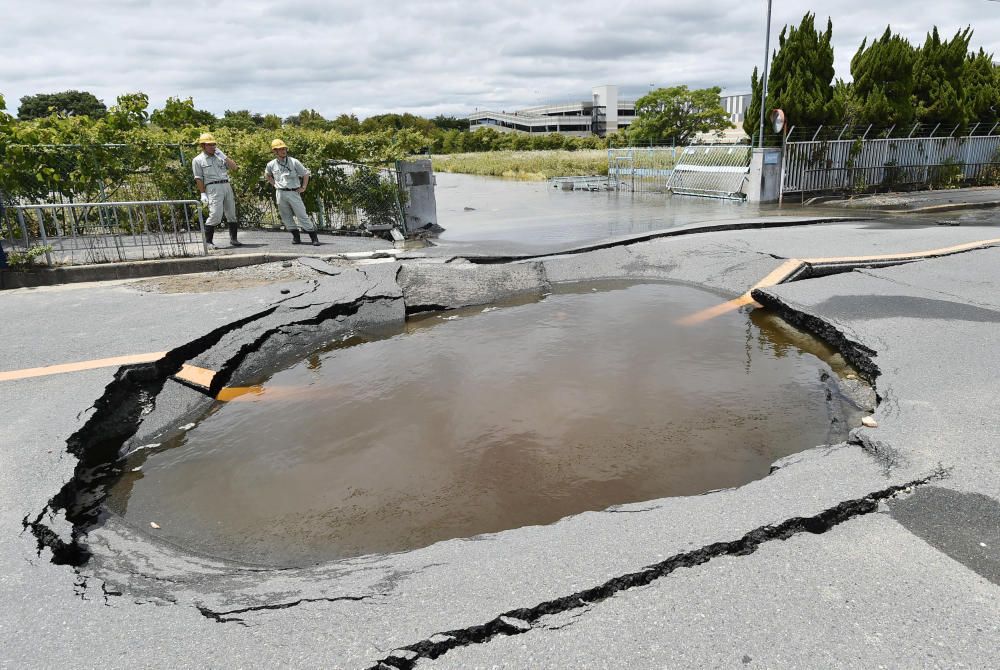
<point x="883" y="551"/>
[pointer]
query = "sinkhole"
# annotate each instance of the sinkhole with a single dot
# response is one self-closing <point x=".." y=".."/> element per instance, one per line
<point x="481" y="420"/>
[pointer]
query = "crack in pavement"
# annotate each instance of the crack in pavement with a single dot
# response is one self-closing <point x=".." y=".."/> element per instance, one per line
<point x="120" y="410"/>
<point x="522" y="620"/>
<point x="226" y="617"/>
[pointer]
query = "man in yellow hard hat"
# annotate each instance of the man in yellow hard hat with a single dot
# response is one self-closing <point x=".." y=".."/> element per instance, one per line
<point x="289" y="177"/>
<point x="211" y="175"/>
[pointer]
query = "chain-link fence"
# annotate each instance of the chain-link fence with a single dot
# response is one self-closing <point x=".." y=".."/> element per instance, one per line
<point x="361" y="197"/>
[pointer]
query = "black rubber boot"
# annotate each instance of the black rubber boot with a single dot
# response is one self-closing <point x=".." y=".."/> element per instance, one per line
<point x="210" y="235"/>
<point x="314" y="238"/>
<point x="296" y="239"/>
<point x="232" y="235"/>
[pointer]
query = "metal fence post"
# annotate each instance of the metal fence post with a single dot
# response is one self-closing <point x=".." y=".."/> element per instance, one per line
<point x="201" y="229"/>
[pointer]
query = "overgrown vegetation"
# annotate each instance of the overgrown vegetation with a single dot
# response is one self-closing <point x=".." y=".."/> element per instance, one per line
<point x="526" y="165"/>
<point x="25" y="260"/>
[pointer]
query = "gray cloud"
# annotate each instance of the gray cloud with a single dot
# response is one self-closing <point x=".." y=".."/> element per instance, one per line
<point x="441" y="56"/>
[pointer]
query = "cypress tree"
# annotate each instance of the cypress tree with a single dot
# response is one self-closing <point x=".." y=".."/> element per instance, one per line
<point x="883" y="80"/>
<point x="801" y="80"/>
<point x="981" y="81"/>
<point x="751" y="120"/>
<point x="938" y="86"/>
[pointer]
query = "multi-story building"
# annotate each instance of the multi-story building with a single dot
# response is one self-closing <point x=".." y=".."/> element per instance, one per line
<point x="602" y="115"/>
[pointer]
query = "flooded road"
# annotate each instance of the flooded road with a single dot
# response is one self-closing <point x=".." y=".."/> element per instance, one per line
<point x="482" y="420"/>
<point x="473" y="208"/>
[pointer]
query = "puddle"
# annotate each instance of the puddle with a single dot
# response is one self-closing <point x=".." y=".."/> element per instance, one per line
<point x="483" y="420"/>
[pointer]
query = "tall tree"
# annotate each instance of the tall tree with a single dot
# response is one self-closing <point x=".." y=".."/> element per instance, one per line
<point x="801" y="79"/>
<point x="677" y="114"/>
<point x="751" y="121"/>
<point x="938" y="86"/>
<point x="883" y="80"/>
<point x="70" y="103"/>
<point x="178" y="114"/>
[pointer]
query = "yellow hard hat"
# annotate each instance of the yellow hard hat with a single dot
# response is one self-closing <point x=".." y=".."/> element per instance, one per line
<point x="206" y="138"/>
<point x="278" y="144"/>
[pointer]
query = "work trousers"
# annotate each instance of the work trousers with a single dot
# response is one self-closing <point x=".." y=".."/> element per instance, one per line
<point x="290" y="208"/>
<point x="221" y="200"/>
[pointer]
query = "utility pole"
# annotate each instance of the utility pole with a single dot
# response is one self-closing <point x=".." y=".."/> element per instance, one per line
<point x="767" y="56"/>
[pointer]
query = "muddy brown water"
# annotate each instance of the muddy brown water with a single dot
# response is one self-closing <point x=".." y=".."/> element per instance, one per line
<point x="478" y="421"/>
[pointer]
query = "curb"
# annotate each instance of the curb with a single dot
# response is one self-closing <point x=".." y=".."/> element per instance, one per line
<point x="136" y="269"/>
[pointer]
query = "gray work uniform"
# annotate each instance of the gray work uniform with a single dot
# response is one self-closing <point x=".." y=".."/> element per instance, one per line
<point x="287" y="175"/>
<point x="212" y="171"/>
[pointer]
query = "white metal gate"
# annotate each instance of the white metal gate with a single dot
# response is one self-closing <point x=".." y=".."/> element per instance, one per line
<point x="713" y="171"/>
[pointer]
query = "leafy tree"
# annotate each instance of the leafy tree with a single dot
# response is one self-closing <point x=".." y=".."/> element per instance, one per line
<point x="938" y="84"/>
<point x="178" y="114"/>
<point x="443" y="122"/>
<point x="347" y="124"/>
<point x="677" y="114"/>
<point x="883" y="80"/>
<point x="68" y="103"/>
<point x="382" y="122"/>
<point x="308" y="118"/>
<point x="129" y="112"/>
<point x="981" y="81"/>
<point x="244" y="119"/>
<point x="801" y="78"/>
<point x="269" y="121"/>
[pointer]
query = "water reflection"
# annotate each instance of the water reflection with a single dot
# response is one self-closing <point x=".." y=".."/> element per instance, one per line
<point x="475" y="422"/>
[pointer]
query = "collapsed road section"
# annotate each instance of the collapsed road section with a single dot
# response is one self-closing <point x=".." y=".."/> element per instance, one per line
<point x="921" y="328"/>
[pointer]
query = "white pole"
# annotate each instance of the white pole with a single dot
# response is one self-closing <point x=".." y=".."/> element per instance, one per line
<point x="767" y="55"/>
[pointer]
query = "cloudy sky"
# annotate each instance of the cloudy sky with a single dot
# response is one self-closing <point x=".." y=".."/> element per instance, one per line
<point x="429" y="57"/>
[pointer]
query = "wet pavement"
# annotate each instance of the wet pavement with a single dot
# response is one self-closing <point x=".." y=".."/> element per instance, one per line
<point x="879" y="550"/>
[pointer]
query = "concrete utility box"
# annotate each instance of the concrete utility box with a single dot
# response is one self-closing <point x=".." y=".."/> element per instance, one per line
<point x="764" y="184"/>
<point x="416" y="178"/>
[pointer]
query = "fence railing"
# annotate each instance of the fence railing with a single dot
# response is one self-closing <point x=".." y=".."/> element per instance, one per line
<point x="861" y="165"/>
<point x="102" y="232"/>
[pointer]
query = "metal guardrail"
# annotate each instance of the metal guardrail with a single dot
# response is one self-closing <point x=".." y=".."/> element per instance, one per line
<point x="103" y="232"/>
<point x="712" y="171"/>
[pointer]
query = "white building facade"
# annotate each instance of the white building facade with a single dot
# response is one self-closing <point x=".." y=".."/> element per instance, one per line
<point x="604" y="114"/>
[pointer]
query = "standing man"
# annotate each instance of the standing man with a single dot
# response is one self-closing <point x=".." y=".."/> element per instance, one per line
<point x="289" y="177"/>
<point x="211" y="176"/>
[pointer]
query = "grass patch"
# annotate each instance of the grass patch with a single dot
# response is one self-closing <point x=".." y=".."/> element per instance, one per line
<point x="526" y="165"/>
